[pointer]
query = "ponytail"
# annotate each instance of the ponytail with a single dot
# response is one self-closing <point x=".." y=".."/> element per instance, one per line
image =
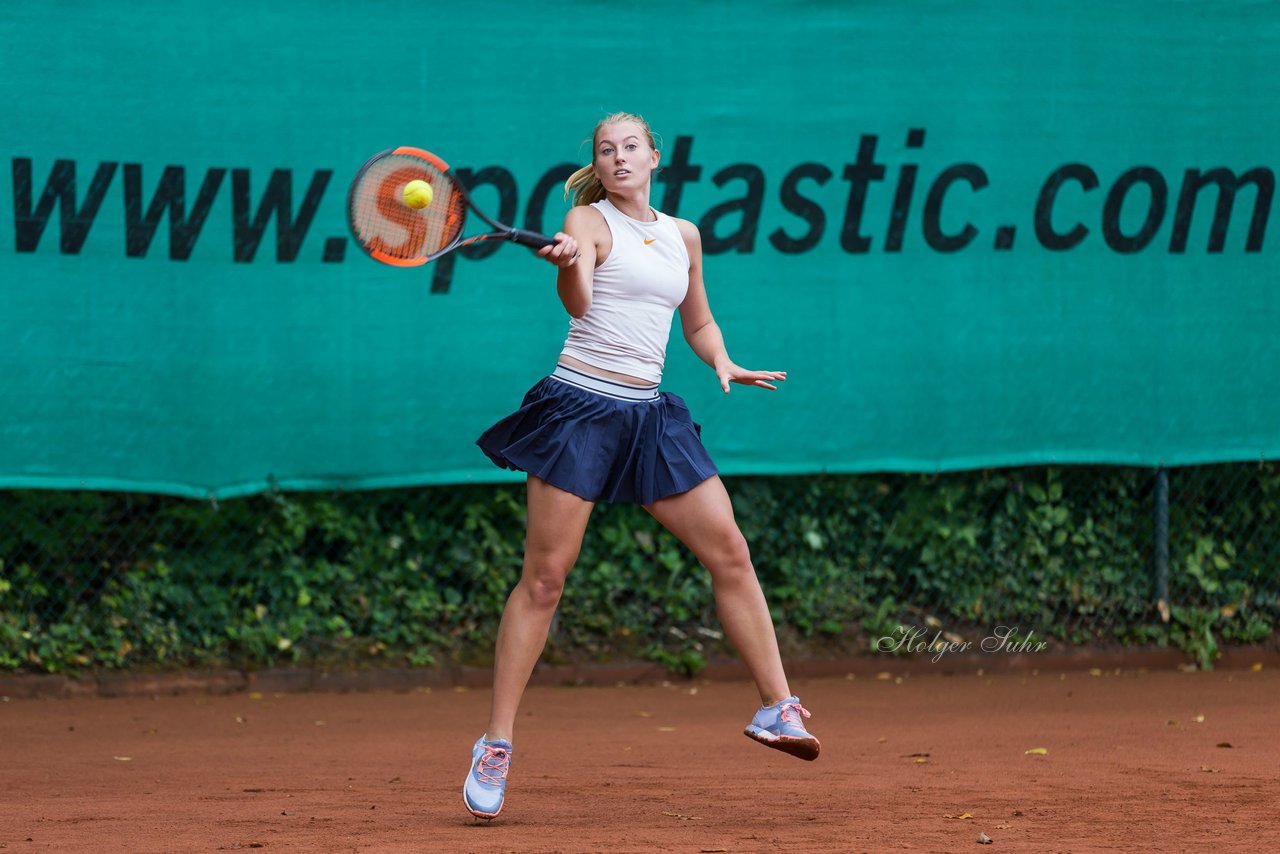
<point x="584" y="187"/>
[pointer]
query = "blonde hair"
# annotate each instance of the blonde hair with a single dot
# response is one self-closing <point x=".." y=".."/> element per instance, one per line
<point x="584" y="186"/>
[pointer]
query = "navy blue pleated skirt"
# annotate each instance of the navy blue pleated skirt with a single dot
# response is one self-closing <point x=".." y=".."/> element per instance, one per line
<point x="593" y="438"/>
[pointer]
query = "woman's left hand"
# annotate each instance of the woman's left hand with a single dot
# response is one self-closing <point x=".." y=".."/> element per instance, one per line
<point x="760" y="379"/>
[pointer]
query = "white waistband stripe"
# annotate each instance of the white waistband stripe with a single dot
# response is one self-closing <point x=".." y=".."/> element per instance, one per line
<point x="600" y="385"/>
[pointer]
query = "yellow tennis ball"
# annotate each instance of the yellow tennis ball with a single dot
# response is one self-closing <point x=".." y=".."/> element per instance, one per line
<point x="417" y="194"/>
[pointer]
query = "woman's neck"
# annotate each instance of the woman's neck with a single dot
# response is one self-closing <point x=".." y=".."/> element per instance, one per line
<point x="635" y="206"/>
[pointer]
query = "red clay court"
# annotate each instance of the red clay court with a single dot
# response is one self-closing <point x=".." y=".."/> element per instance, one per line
<point x="1135" y="760"/>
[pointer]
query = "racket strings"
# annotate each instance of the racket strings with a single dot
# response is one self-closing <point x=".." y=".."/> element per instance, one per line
<point x="392" y="231"/>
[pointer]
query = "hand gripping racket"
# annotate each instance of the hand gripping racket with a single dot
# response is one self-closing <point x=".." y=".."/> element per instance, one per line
<point x="390" y="231"/>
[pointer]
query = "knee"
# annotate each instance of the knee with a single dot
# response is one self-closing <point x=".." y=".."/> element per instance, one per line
<point x="544" y="591"/>
<point x="543" y="579"/>
<point x="730" y="558"/>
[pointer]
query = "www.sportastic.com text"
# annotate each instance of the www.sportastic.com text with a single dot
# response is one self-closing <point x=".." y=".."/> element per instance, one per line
<point x="1142" y="193"/>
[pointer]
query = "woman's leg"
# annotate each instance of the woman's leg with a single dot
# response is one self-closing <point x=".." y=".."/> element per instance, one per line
<point x="703" y="520"/>
<point x="557" y="521"/>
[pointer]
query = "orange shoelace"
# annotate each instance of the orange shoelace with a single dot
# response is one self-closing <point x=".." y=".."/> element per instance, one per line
<point x="788" y="713"/>
<point x="494" y="764"/>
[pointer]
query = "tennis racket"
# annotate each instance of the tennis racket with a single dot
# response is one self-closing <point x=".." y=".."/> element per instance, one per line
<point x="390" y="231"/>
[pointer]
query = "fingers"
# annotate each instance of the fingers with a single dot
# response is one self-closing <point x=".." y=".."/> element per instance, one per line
<point x="562" y="253"/>
<point x="759" y="379"/>
<point x="753" y="377"/>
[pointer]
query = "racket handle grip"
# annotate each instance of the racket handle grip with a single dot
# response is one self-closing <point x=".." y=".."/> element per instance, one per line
<point x="532" y="239"/>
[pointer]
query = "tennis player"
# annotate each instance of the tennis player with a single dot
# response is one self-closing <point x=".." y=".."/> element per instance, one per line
<point x="598" y="429"/>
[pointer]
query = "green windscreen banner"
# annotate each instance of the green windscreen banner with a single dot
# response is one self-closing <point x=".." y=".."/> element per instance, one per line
<point x="973" y="233"/>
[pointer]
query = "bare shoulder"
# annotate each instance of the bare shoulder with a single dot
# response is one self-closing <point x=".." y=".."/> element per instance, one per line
<point x="689" y="231"/>
<point x="584" y="219"/>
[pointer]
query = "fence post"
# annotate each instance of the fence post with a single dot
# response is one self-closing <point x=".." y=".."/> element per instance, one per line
<point x="1162" y="543"/>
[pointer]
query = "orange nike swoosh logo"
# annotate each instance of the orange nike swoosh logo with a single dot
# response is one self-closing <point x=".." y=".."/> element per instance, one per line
<point x="649" y="240"/>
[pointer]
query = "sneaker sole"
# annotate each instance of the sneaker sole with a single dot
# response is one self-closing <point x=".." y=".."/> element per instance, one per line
<point x="801" y="748"/>
<point x="487" y="816"/>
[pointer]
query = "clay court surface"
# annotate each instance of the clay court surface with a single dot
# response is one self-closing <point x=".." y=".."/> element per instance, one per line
<point x="1134" y="761"/>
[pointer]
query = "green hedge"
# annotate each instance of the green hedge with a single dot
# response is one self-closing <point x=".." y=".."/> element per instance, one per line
<point x="111" y="581"/>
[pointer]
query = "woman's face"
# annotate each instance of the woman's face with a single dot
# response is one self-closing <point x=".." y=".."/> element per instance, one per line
<point x="623" y="158"/>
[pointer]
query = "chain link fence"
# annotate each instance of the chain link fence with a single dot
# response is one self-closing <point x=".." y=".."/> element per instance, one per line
<point x="1098" y="556"/>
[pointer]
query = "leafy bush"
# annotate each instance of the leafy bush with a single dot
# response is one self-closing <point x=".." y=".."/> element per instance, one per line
<point x="419" y="577"/>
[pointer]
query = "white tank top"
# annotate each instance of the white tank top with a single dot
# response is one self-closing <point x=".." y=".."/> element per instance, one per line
<point x="633" y="295"/>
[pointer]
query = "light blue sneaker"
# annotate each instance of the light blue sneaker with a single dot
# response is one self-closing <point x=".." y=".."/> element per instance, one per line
<point x="487" y="780"/>
<point x="781" y="726"/>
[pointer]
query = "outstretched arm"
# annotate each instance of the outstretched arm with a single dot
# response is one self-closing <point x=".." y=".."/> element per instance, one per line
<point x="701" y="330"/>
<point x="575" y="254"/>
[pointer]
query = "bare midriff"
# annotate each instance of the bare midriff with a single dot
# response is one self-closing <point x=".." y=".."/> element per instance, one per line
<point x="579" y="365"/>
